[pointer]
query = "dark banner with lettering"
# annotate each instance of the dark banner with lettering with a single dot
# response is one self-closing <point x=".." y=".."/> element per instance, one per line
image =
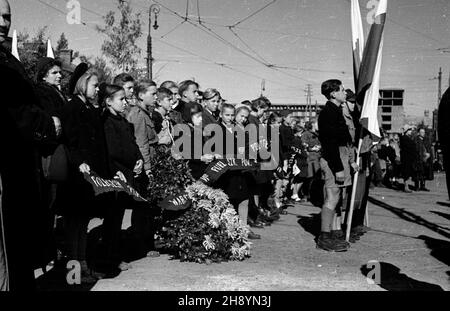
<point x="212" y="173"/>
<point x="219" y="167"/>
<point x="174" y="203"/>
<point x="102" y="185"/>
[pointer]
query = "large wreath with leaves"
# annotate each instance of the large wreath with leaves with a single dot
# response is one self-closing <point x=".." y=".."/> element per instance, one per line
<point x="208" y="231"/>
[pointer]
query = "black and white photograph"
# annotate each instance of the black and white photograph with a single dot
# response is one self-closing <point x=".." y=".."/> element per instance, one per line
<point x="226" y="151"/>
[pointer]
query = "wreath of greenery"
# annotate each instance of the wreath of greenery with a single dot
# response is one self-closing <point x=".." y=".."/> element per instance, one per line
<point x="210" y="230"/>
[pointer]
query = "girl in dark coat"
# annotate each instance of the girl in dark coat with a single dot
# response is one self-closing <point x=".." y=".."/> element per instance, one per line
<point x="85" y="140"/>
<point x="125" y="160"/>
<point x="197" y="166"/>
<point x="236" y="183"/>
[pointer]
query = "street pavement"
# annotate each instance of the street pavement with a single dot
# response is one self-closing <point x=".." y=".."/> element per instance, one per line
<point x="409" y="242"/>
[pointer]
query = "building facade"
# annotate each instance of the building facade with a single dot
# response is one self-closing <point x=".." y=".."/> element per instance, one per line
<point x="304" y="111"/>
<point x="390" y="110"/>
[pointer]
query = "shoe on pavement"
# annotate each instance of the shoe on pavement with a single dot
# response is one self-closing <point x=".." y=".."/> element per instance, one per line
<point x="124" y="266"/>
<point x="254" y="224"/>
<point x="253" y="236"/>
<point x="413" y="188"/>
<point x="361" y="229"/>
<point x="326" y="242"/>
<point x="263" y="221"/>
<point x="339" y="235"/>
<point x="153" y="254"/>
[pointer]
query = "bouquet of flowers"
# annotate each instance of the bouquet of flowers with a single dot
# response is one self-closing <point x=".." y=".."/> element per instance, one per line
<point x="210" y="231"/>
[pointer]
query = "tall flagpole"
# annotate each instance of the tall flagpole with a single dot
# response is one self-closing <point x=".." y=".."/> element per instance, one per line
<point x="358" y="51"/>
<point x="355" y="184"/>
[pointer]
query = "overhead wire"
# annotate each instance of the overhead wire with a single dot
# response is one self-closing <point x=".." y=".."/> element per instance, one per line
<point x="254" y="13"/>
<point x="212" y="33"/>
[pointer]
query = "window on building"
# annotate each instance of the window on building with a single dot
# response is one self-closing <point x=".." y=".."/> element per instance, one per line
<point x="386" y="118"/>
<point x="398" y="94"/>
<point x="398" y="102"/>
<point x="386" y="109"/>
<point x="386" y="127"/>
<point x="387" y="94"/>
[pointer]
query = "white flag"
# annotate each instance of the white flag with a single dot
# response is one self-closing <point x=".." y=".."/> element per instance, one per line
<point x="357" y="39"/>
<point x="14" y="49"/>
<point x="370" y="70"/>
<point x="50" y="49"/>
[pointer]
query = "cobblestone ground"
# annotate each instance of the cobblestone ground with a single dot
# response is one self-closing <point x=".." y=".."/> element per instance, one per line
<point x="411" y="232"/>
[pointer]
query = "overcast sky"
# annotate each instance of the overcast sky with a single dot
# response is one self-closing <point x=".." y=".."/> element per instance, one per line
<point x="309" y="39"/>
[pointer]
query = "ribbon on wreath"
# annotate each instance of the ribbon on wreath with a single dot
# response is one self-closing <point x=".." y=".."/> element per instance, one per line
<point x="212" y="173"/>
<point x="101" y="185"/>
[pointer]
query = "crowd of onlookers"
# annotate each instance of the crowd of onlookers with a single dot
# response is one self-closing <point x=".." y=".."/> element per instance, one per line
<point x="411" y="156"/>
<point x="53" y="139"/>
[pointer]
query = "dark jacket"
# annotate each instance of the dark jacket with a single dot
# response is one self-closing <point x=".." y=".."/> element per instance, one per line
<point x="443" y="118"/>
<point x="197" y="166"/>
<point x="185" y="109"/>
<point x="157" y="119"/>
<point x="24" y="128"/>
<point x="51" y="99"/>
<point x="333" y="133"/>
<point x="408" y="156"/>
<point x="300" y="156"/>
<point x="123" y="151"/>
<point x="423" y="163"/>
<point x="286" y="139"/>
<point x="387" y="153"/>
<point x="84" y="137"/>
<point x="208" y="118"/>
<point x="235" y="183"/>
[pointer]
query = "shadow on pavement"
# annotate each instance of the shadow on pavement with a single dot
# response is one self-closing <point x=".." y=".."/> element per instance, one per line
<point x="447" y="216"/>
<point x="310" y="223"/>
<point x="411" y="217"/>
<point x="446" y="204"/>
<point x="440" y="249"/>
<point x="391" y="279"/>
<point x="55" y="280"/>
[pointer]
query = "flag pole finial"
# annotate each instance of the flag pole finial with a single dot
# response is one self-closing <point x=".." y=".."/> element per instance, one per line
<point x="14" y="49"/>
<point x="50" y="49"/>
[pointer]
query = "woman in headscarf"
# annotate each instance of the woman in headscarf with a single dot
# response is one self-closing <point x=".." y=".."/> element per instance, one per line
<point x="53" y="157"/>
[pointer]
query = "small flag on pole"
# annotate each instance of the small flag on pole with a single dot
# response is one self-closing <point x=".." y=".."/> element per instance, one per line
<point x="50" y="49"/>
<point x="370" y="70"/>
<point x="14" y="49"/>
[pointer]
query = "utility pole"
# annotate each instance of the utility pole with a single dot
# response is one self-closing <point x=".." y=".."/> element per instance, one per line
<point x="154" y="8"/>
<point x="308" y="92"/>
<point x="440" y="85"/>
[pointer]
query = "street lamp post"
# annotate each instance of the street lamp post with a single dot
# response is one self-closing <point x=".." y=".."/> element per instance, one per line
<point x="154" y="8"/>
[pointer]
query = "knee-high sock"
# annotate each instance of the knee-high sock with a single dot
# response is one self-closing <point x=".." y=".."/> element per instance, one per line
<point x="243" y="211"/>
<point x="326" y="219"/>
